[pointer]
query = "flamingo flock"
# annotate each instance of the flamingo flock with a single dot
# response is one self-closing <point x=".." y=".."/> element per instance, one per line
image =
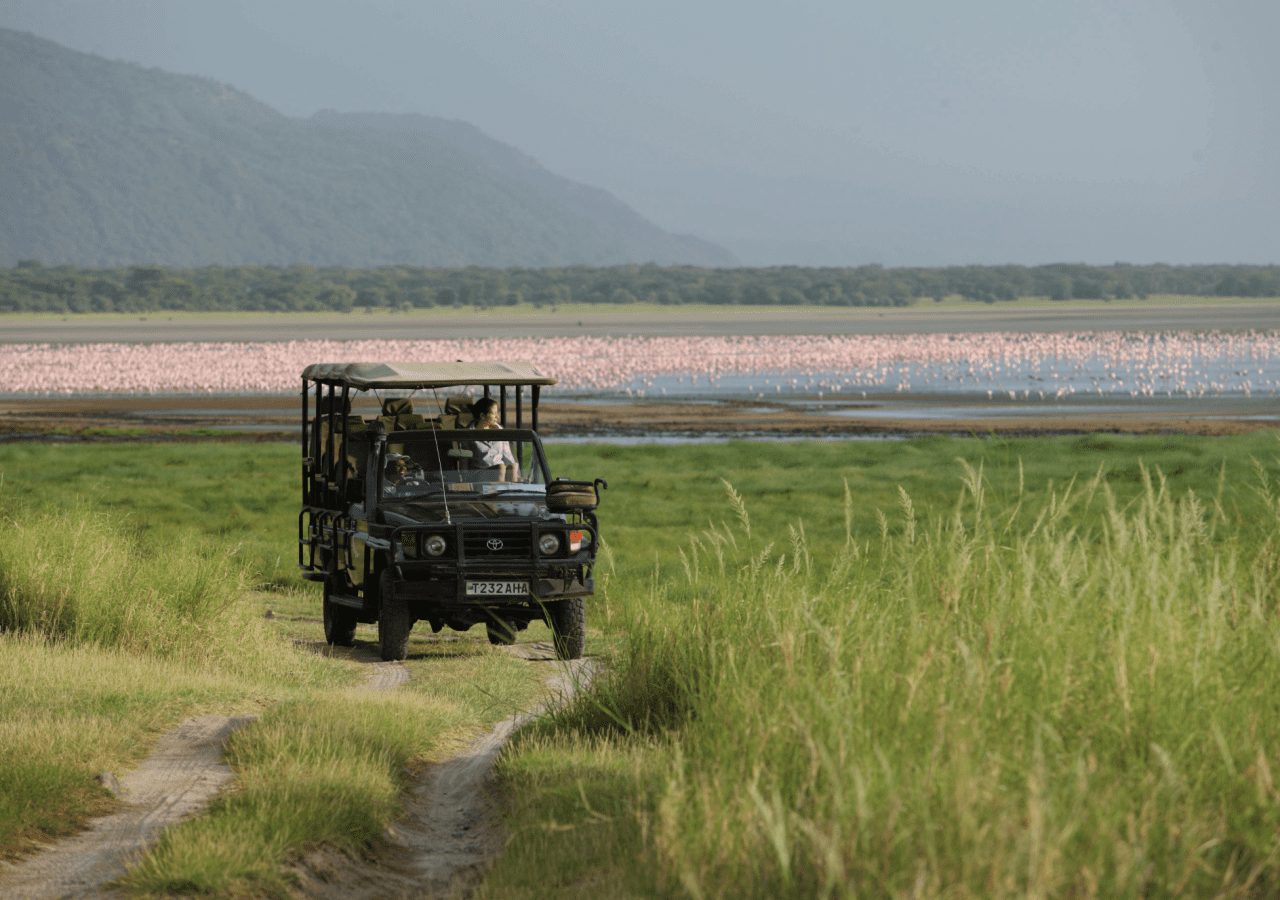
<point x="1009" y="365"/>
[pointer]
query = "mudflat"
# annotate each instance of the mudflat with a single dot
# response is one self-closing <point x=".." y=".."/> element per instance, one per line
<point x="275" y="418"/>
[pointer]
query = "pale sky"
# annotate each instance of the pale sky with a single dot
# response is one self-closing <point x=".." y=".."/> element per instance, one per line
<point x="813" y="131"/>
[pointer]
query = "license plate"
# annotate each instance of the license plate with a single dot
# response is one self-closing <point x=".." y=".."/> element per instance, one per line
<point x="497" y="588"/>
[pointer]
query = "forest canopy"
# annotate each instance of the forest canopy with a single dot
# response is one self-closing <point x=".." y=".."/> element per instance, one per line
<point x="32" y="287"/>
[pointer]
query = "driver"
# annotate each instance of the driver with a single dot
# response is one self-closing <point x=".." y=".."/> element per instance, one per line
<point x="398" y="469"/>
<point x="495" y="456"/>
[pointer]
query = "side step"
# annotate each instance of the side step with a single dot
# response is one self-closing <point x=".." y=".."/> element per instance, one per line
<point x="344" y="600"/>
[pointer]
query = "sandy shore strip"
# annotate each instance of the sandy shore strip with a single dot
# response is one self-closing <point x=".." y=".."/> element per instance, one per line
<point x="275" y="418"/>
<point x="923" y="318"/>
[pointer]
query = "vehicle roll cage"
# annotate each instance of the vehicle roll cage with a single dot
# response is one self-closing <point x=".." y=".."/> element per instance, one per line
<point x="328" y="389"/>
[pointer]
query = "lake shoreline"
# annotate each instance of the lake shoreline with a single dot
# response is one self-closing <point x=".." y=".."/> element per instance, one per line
<point x="274" y="417"/>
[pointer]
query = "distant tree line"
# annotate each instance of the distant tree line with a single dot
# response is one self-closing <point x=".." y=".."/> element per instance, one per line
<point x="32" y="287"/>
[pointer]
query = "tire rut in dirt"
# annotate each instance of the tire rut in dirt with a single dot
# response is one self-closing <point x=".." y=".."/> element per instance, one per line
<point x="386" y="675"/>
<point x="176" y="780"/>
<point x="382" y="675"/>
<point x="452" y="827"/>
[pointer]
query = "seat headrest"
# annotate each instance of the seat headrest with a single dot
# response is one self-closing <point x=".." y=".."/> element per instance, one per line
<point x="394" y="406"/>
<point x="458" y="403"/>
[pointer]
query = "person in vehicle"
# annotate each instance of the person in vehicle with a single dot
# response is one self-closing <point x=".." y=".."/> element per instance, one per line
<point x="492" y="456"/>
<point x="399" y="469"/>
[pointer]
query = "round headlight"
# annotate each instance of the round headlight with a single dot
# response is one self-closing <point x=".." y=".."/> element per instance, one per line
<point x="434" y="545"/>
<point x="548" y="545"/>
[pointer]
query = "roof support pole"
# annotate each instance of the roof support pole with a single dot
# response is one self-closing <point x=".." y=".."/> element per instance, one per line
<point x="342" y="452"/>
<point x="329" y="442"/>
<point x="306" y="488"/>
<point x="519" y="424"/>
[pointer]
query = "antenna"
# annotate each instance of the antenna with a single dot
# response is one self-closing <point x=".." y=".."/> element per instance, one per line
<point x="435" y="439"/>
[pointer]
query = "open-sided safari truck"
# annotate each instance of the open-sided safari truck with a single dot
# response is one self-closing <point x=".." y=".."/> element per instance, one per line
<point x="405" y="518"/>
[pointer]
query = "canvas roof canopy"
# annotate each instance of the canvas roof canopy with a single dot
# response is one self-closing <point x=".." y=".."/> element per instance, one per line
<point x="370" y="376"/>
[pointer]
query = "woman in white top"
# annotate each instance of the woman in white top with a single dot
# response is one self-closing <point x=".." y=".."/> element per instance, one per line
<point x="494" y="455"/>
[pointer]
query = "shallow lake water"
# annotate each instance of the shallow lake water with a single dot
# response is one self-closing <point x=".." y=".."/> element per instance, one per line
<point x="923" y="377"/>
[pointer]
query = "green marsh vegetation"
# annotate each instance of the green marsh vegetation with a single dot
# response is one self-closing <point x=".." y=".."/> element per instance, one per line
<point x="979" y="667"/>
<point x="107" y="641"/>
<point x="1028" y="668"/>
<point x="127" y="603"/>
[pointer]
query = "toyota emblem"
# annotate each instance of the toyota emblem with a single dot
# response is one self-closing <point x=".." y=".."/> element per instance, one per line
<point x="494" y="544"/>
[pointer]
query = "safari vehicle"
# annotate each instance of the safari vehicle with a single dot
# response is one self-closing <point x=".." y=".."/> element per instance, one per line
<point x="402" y="519"/>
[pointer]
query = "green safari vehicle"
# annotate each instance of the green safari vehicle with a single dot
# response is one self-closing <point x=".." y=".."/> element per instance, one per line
<point x="427" y="496"/>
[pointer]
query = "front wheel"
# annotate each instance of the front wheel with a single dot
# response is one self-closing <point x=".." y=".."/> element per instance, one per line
<point x="339" y="621"/>
<point x="568" y="621"/>
<point x="394" y="623"/>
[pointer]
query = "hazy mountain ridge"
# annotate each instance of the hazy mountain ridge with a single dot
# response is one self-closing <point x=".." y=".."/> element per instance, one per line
<point x="109" y="163"/>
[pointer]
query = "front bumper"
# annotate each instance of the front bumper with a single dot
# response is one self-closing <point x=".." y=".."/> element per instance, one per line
<point x="444" y="584"/>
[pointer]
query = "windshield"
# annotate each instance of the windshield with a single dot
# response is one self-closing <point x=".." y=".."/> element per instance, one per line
<point x="486" y="462"/>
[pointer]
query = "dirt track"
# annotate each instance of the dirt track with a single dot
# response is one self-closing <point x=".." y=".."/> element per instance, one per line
<point x="451" y="829"/>
<point x="176" y="780"/>
<point x="449" y="834"/>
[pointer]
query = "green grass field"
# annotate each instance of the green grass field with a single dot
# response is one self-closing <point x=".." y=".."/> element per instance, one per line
<point x="127" y="604"/>
<point x="1006" y="668"/>
<point x="961" y="667"/>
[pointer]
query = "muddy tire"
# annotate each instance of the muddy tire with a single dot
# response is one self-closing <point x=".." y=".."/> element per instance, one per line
<point x="394" y="623"/>
<point x="501" y="632"/>
<point x="568" y="621"/>
<point x="339" y="621"/>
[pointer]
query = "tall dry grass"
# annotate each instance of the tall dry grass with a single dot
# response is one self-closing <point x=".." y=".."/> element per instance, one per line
<point x="1058" y="695"/>
<point x="76" y="576"/>
<point x="107" y="639"/>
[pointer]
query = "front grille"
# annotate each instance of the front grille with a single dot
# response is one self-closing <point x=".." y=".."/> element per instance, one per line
<point x="497" y="542"/>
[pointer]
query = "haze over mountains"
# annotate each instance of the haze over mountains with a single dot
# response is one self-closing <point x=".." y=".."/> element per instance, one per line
<point x="108" y="163"/>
